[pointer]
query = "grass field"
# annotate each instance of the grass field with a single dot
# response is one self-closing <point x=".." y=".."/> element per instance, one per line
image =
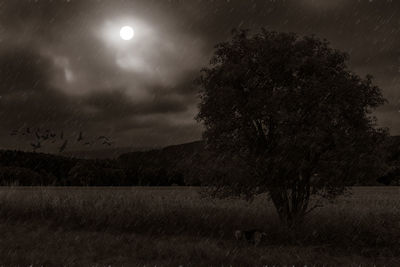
<point x="174" y="226"/>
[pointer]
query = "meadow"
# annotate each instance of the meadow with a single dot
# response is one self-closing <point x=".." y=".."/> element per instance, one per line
<point x="171" y="226"/>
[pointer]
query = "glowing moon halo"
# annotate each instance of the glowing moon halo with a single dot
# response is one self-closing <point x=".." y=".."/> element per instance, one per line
<point x="126" y="33"/>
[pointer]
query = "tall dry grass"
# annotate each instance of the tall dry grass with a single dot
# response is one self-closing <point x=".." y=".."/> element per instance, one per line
<point x="368" y="219"/>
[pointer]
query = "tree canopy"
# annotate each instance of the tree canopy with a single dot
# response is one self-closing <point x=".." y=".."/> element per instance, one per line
<point x="287" y="115"/>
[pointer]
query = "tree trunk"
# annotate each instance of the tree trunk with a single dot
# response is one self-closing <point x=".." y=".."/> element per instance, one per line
<point x="291" y="203"/>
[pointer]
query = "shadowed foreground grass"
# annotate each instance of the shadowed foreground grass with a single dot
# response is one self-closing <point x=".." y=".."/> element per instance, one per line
<point x="137" y="226"/>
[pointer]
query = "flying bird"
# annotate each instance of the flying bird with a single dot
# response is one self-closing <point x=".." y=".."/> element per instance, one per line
<point x="79" y="137"/>
<point x="107" y="143"/>
<point x="36" y="146"/>
<point x="45" y="136"/>
<point x="103" y="137"/>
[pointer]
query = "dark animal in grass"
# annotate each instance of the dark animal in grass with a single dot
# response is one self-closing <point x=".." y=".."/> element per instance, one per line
<point x="253" y="236"/>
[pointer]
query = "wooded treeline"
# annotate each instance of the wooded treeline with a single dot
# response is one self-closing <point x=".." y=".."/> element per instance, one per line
<point x="185" y="164"/>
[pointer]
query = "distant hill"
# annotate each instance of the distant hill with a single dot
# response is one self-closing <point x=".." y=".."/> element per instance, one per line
<point x="105" y="153"/>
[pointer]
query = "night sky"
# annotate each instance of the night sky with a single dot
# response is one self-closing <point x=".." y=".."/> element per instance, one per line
<point x="64" y="67"/>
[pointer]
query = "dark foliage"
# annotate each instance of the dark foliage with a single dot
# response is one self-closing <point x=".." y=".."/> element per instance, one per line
<point x="391" y="151"/>
<point x="179" y="165"/>
<point x="40" y="163"/>
<point x="33" y="169"/>
<point x="286" y="116"/>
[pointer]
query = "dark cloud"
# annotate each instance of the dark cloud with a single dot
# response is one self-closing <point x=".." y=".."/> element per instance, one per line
<point x="27" y="95"/>
<point x="62" y="66"/>
<point x="23" y="70"/>
<point x="116" y="103"/>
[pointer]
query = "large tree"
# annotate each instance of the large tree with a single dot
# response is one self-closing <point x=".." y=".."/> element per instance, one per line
<point x="287" y="117"/>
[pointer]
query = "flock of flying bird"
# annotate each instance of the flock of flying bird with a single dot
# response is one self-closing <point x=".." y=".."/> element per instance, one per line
<point x="47" y="135"/>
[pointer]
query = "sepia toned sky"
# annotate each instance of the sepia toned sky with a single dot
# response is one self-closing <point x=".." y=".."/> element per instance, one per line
<point x="64" y="67"/>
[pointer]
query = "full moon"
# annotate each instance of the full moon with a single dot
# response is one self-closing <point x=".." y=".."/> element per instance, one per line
<point x="126" y="33"/>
